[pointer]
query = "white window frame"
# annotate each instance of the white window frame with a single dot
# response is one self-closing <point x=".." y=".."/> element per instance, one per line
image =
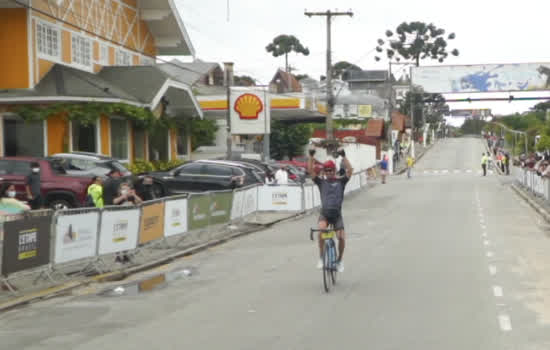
<point x="39" y="39"/>
<point x="146" y="61"/>
<point x="104" y="54"/>
<point x="98" y="136"/>
<point x="128" y="138"/>
<point x="121" y="56"/>
<point x="78" y="56"/>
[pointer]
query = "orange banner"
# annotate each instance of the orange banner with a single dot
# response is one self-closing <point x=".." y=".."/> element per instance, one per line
<point x="152" y="223"/>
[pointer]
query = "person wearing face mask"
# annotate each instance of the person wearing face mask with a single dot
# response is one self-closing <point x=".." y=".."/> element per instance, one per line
<point x="127" y="196"/>
<point x="33" y="187"/>
<point x="8" y="200"/>
<point x="331" y="188"/>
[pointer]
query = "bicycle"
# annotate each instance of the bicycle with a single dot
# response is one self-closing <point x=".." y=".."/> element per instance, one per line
<point x="330" y="255"/>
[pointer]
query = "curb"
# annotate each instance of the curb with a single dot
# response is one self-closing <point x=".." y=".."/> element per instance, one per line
<point x="122" y="274"/>
<point x="538" y="208"/>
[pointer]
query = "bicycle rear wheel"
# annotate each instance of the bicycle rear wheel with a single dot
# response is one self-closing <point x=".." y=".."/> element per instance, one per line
<point x="326" y="269"/>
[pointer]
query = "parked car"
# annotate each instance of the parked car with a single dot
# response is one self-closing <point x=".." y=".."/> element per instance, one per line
<point x="294" y="173"/>
<point x="204" y="175"/>
<point x="90" y="164"/>
<point x="301" y="162"/>
<point x="60" y="190"/>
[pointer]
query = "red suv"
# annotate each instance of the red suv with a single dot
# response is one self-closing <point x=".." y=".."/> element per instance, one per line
<point x="59" y="191"/>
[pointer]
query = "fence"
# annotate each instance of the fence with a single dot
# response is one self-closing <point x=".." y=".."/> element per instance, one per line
<point x="43" y="241"/>
<point x="530" y="180"/>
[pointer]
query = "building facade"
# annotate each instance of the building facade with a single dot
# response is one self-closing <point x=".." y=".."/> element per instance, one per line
<point x="86" y="53"/>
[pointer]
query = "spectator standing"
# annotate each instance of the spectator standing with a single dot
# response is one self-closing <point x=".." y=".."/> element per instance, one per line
<point x="384" y="168"/>
<point x="281" y="176"/>
<point x="111" y="187"/>
<point x="8" y="202"/>
<point x="484" y="160"/>
<point x="32" y="187"/>
<point x="410" y="163"/>
<point x="95" y="191"/>
<point x="127" y="197"/>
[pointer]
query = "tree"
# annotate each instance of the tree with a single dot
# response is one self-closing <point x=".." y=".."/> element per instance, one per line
<point x="203" y="132"/>
<point x="433" y="106"/>
<point x="301" y="76"/>
<point x="285" y="44"/>
<point x="473" y="126"/>
<point x="416" y="41"/>
<point x="244" y="80"/>
<point x="288" y="140"/>
<point x="541" y="107"/>
<point x="342" y="67"/>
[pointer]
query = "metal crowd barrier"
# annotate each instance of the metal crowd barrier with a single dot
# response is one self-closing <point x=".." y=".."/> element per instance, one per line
<point x="539" y="186"/>
<point x="43" y="241"/>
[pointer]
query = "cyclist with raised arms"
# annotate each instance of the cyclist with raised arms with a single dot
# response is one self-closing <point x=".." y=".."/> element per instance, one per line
<point x="331" y="188"/>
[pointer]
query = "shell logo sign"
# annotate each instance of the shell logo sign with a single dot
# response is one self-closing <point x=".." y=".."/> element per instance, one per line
<point x="248" y="106"/>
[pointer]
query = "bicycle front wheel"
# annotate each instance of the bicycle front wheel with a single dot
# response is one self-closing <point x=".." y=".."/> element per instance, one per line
<point x="326" y="269"/>
<point x="333" y="269"/>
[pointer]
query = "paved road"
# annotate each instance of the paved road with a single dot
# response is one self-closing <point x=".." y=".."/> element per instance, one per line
<point x="447" y="260"/>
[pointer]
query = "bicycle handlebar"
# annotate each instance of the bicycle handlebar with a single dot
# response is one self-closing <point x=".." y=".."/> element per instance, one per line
<point x="311" y="231"/>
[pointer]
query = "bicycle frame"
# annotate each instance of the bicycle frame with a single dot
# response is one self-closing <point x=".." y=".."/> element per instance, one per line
<point x="330" y="255"/>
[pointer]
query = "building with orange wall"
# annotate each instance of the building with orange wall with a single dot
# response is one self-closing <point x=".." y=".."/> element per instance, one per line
<point x="83" y="51"/>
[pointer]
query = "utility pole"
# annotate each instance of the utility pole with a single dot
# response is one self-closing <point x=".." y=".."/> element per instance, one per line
<point x="228" y="80"/>
<point x="330" y="94"/>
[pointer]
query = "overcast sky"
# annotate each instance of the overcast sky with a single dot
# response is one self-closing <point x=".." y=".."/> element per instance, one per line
<point x="488" y="31"/>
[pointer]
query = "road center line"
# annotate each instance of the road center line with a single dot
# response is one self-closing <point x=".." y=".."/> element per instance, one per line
<point x="492" y="270"/>
<point x="505" y="323"/>
<point x="490" y="254"/>
<point x="497" y="291"/>
<point x="486" y="242"/>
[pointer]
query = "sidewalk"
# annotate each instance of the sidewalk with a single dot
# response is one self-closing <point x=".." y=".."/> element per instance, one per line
<point x="36" y="285"/>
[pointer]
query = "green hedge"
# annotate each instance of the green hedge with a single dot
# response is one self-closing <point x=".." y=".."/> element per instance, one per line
<point x="142" y="166"/>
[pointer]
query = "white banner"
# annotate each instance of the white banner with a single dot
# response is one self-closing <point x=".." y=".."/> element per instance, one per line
<point x="250" y="201"/>
<point x="280" y="198"/>
<point x="119" y="231"/>
<point x="483" y="78"/>
<point x="76" y="237"/>
<point x="175" y="217"/>
<point x="238" y="204"/>
<point x="250" y="111"/>
<point x="308" y="194"/>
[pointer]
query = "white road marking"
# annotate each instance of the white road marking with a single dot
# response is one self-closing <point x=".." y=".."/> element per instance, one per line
<point x="456" y="171"/>
<point x="426" y="171"/>
<point x="469" y="170"/>
<point x="486" y="242"/>
<point x="505" y="323"/>
<point x="445" y="171"/>
<point x="436" y="171"/>
<point x="490" y="254"/>
<point x="492" y="270"/>
<point x="497" y="291"/>
<point x="484" y="227"/>
<point x="484" y="234"/>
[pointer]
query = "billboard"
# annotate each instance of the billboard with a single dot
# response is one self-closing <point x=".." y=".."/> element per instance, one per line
<point x="152" y="223"/>
<point x="250" y="111"/>
<point x="483" y="78"/>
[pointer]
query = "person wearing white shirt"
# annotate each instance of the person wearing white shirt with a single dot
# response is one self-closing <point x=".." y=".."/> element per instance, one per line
<point x="281" y="176"/>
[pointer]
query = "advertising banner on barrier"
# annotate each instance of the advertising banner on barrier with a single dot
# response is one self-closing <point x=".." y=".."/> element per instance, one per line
<point x="277" y="198"/>
<point x="238" y="204"/>
<point x="175" y="217"/>
<point x="26" y="244"/>
<point x="308" y="196"/>
<point x="198" y="211"/>
<point x="76" y="237"/>
<point x="119" y="231"/>
<point x="152" y="222"/>
<point x="220" y="207"/>
<point x="250" y="201"/>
